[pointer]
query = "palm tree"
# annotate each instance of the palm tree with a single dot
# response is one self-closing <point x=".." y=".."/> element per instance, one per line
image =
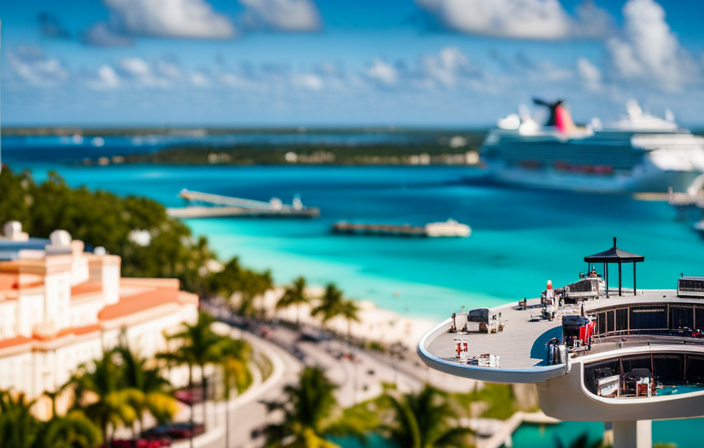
<point x="102" y="395"/>
<point x="294" y="294"/>
<point x="309" y="411"/>
<point x="199" y="346"/>
<point x="20" y="429"/>
<point x="159" y="399"/>
<point x="73" y="430"/>
<point x="350" y="311"/>
<point x="330" y="305"/>
<point x="237" y="376"/>
<point x="425" y="420"/>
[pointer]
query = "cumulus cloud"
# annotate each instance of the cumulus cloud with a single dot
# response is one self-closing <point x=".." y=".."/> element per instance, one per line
<point x="160" y="18"/>
<point x="104" y="78"/>
<point x="519" y="19"/>
<point x="28" y="65"/>
<point x="382" y="72"/>
<point x="648" y="50"/>
<point x="447" y="67"/>
<point x="282" y="15"/>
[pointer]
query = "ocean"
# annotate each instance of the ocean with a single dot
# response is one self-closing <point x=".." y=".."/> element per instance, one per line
<point x="520" y="237"/>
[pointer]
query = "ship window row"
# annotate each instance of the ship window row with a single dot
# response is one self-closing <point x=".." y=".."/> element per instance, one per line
<point x="666" y="369"/>
<point x="661" y="318"/>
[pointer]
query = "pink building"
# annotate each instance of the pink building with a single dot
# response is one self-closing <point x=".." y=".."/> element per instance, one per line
<point x="61" y="306"/>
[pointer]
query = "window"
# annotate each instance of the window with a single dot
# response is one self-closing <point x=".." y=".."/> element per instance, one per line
<point x="622" y="319"/>
<point x="648" y="317"/>
<point x="610" y="321"/>
<point x="681" y="317"/>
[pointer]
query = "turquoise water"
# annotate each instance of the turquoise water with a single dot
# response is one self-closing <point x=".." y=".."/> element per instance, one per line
<point x="521" y="238"/>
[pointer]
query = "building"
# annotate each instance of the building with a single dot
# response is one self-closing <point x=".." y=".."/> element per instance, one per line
<point x="61" y="307"/>
<point x="620" y="356"/>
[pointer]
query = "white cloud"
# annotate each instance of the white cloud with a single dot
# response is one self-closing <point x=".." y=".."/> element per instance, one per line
<point x="589" y="73"/>
<point x="29" y="65"/>
<point x="448" y="66"/>
<point x="162" y="18"/>
<point x="648" y="50"/>
<point x="282" y="15"/>
<point x="520" y="19"/>
<point x="382" y="72"/>
<point x="307" y="81"/>
<point x="106" y="78"/>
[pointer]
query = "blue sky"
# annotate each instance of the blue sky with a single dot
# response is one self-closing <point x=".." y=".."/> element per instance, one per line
<point x="343" y="63"/>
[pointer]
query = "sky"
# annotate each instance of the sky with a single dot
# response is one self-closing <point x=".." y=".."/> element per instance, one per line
<point x="420" y="63"/>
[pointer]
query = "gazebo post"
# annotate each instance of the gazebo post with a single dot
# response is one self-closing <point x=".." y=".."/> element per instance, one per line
<point x="634" y="279"/>
<point x="619" y="278"/>
<point x="606" y="276"/>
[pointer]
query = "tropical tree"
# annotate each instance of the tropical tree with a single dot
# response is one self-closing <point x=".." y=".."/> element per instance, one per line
<point x="350" y="311"/>
<point x="330" y="305"/>
<point x="20" y="429"/>
<point x="427" y="419"/>
<point x="102" y="395"/>
<point x="198" y="346"/>
<point x="73" y="430"/>
<point x="237" y="377"/>
<point x="294" y="295"/>
<point x="158" y="397"/>
<point x="310" y="413"/>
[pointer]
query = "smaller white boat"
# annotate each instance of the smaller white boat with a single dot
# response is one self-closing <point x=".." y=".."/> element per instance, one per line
<point x="699" y="227"/>
<point x="448" y="228"/>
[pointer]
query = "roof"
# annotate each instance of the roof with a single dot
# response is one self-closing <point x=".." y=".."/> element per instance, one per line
<point x="10" y="342"/>
<point x="139" y="302"/>
<point x="86" y="288"/>
<point x="614" y="255"/>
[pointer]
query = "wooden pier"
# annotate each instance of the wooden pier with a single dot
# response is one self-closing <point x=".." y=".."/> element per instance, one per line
<point x="379" y="229"/>
<point x="207" y="205"/>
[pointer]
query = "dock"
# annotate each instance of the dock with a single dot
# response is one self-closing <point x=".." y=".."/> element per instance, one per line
<point x="379" y="229"/>
<point x="449" y="228"/>
<point x="207" y="205"/>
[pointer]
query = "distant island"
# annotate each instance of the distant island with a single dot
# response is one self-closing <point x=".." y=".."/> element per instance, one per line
<point x="421" y="147"/>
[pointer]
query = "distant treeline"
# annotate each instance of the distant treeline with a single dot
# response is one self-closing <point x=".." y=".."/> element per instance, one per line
<point x="440" y="153"/>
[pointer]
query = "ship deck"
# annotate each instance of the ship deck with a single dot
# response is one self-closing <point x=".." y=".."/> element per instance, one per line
<point x="522" y="344"/>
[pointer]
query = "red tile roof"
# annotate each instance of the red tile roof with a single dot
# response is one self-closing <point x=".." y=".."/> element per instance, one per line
<point x="11" y="342"/>
<point x="86" y="288"/>
<point x="139" y="302"/>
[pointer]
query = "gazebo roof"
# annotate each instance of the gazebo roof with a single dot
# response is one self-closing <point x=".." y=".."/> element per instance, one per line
<point x="614" y="255"/>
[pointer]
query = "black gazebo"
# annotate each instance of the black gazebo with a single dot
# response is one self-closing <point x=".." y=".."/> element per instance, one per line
<point x="615" y="255"/>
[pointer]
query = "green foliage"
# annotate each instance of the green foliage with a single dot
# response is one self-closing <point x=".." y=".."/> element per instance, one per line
<point x="499" y="397"/>
<point x="310" y="412"/>
<point x="99" y="218"/>
<point x="20" y="429"/>
<point x="294" y="295"/>
<point x="582" y="441"/>
<point x="425" y="420"/>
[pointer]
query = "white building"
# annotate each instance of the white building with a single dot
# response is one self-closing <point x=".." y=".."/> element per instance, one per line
<point x="61" y="306"/>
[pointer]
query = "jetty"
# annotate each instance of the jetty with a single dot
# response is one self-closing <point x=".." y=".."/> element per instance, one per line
<point x="207" y="205"/>
<point x="449" y="228"/>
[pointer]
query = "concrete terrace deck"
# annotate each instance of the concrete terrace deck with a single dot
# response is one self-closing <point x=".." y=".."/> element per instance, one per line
<point x="522" y="344"/>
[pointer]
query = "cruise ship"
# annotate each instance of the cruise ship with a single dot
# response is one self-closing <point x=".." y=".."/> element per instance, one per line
<point x="638" y="153"/>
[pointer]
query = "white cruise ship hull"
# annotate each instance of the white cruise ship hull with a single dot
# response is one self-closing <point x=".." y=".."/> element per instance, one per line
<point x="643" y="178"/>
